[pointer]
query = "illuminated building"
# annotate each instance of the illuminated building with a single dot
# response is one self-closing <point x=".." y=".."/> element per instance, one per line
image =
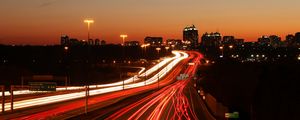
<point x="228" y="40"/>
<point x="174" y="43"/>
<point x="211" y="39"/>
<point x="264" y="40"/>
<point x="190" y="37"/>
<point x="132" y="43"/>
<point x="154" y="41"/>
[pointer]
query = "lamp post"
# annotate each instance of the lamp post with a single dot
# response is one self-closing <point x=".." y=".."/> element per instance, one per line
<point x="123" y="36"/>
<point x="222" y="49"/>
<point x="167" y="49"/>
<point x="158" y="49"/>
<point x="88" y="22"/>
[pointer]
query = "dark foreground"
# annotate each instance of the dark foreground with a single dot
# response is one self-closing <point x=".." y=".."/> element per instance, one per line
<point x="261" y="91"/>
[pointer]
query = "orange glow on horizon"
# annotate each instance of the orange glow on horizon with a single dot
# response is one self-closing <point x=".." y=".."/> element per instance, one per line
<point x="43" y="22"/>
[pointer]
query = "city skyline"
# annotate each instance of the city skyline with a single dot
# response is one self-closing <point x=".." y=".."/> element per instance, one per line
<point x="41" y="22"/>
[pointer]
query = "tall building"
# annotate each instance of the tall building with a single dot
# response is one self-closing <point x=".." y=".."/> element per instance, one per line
<point x="154" y="41"/>
<point x="190" y="37"/>
<point x="211" y="39"/>
<point x="64" y="40"/>
<point x="264" y="40"/>
<point x="228" y="40"/>
<point x="297" y="38"/>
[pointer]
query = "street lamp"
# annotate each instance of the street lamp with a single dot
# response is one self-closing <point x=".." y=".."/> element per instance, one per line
<point x="158" y="49"/>
<point x="167" y="48"/>
<point x="173" y="46"/>
<point x="88" y="22"/>
<point x="222" y="50"/>
<point x="123" y="38"/>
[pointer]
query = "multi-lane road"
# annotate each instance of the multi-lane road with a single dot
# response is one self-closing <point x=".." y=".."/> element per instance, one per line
<point x="166" y="66"/>
<point x="176" y="101"/>
<point x="161" y="96"/>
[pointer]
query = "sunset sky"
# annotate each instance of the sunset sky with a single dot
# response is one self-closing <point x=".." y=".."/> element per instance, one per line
<point x="40" y="22"/>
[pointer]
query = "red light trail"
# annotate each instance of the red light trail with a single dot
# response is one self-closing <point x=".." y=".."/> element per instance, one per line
<point x="167" y="103"/>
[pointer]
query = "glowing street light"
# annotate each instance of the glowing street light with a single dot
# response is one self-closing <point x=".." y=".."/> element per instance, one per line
<point x="158" y="49"/>
<point x="221" y="48"/>
<point x="123" y="38"/>
<point x="88" y="22"/>
<point x="66" y="48"/>
<point x="230" y="46"/>
<point x="167" y="48"/>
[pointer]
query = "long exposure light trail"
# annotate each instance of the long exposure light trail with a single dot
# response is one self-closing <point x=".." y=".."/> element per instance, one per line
<point x="115" y="86"/>
<point x="167" y="103"/>
<point x="127" y="81"/>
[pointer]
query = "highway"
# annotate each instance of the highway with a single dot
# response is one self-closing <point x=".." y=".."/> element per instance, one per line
<point x="176" y="101"/>
<point x="110" y="92"/>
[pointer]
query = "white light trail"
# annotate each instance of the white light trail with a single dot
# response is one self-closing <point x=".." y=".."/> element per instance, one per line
<point x="109" y="87"/>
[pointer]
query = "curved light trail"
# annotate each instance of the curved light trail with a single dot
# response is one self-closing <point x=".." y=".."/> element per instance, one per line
<point x="167" y="103"/>
<point x="109" y="87"/>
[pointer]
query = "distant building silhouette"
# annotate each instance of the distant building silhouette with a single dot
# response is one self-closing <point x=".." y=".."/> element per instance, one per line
<point x="239" y="42"/>
<point x="90" y="42"/>
<point x="212" y="39"/>
<point x="154" y="41"/>
<point x="97" y="42"/>
<point x="229" y="40"/>
<point x="297" y="38"/>
<point x="264" y="40"/>
<point x="103" y="42"/>
<point x="74" y="42"/>
<point x="175" y="43"/>
<point x="275" y="40"/>
<point x="272" y="40"/>
<point x="290" y="40"/>
<point x="132" y="43"/>
<point x="64" y="40"/>
<point x="190" y="37"/>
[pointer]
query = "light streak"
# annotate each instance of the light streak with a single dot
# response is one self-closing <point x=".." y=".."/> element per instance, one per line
<point x="113" y="87"/>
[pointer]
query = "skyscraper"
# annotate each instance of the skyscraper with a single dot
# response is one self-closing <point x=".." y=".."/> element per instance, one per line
<point x="211" y="39"/>
<point x="190" y="37"/>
